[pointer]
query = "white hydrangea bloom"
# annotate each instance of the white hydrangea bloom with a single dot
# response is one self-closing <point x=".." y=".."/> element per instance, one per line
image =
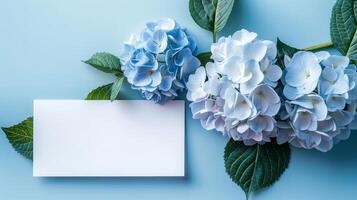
<point x="234" y="94"/>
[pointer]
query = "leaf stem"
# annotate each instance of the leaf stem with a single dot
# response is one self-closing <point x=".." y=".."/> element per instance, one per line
<point x="214" y="37"/>
<point x="319" y="46"/>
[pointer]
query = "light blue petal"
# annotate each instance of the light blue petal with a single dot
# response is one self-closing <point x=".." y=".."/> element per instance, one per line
<point x="257" y="124"/>
<point x="273" y="73"/>
<point x="325" y="88"/>
<point x="342" y="118"/>
<point x="304" y="101"/>
<point x="335" y="61"/>
<point x="198" y="110"/>
<point x="353" y="124"/>
<point x="344" y="134"/>
<point x="178" y="39"/>
<point x="302" y="69"/>
<point x="320" y="108"/>
<point x="156" y="78"/>
<point x="326" y="144"/>
<point x="160" y="38"/>
<point x="189" y="66"/>
<point x="166" y="83"/>
<point x="192" y="45"/>
<point x="341" y="85"/>
<point x="244" y="108"/>
<point x="291" y="92"/>
<point x="329" y="74"/>
<point x="309" y="139"/>
<point x="180" y="56"/>
<point x="148" y="95"/>
<point x="265" y="100"/>
<point x="151" y="26"/>
<point x="142" y="78"/>
<point x="302" y="120"/>
<point x="322" y="55"/>
<point x="295" y="77"/>
<point x="167" y="24"/>
<point x="335" y="102"/>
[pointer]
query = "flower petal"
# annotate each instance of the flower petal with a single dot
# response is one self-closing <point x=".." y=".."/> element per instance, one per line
<point x="273" y="72"/>
<point x="243" y="36"/>
<point x="166" y="83"/>
<point x="335" y="61"/>
<point x="255" y="51"/>
<point x="252" y="67"/>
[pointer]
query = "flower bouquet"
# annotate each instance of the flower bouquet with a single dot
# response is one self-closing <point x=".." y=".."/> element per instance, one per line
<point x="264" y="96"/>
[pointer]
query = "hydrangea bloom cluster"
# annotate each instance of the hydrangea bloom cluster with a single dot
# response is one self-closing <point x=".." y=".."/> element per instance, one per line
<point x="158" y="60"/>
<point x="320" y="104"/>
<point x="235" y="93"/>
<point x="246" y="96"/>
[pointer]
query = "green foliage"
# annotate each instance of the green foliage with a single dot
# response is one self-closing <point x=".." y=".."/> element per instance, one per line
<point x="211" y="15"/>
<point x="343" y="27"/>
<point x="204" y="57"/>
<point x="284" y="49"/>
<point x="20" y="137"/>
<point x="105" y="62"/>
<point x="116" y="88"/>
<point x="100" y="93"/>
<point x="255" y="167"/>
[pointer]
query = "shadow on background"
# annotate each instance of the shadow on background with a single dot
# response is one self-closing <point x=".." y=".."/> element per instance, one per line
<point x="342" y="156"/>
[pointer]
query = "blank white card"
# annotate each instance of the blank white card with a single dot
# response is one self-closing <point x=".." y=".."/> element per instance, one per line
<point x="104" y="138"/>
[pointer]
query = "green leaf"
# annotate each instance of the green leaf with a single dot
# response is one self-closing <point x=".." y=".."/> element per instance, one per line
<point x="284" y="49"/>
<point x="211" y="15"/>
<point x="20" y="137"/>
<point x="116" y="88"/>
<point x="343" y="27"/>
<point x="105" y="62"/>
<point x="100" y="93"/>
<point x="255" y="167"/>
<point x="204" y="57"/>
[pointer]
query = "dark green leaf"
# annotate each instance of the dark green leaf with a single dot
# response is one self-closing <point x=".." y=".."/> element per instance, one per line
<point x="105" y="62"/>
<point x="255" y="167"/>
<point x="204" y="57"/>
<point x="343" y="27"/>
<point x="101" y="93"/>
<point x="211" y="15"/>
<point x="284" y="49"/>
<point x="116" y="88"/>
<point x="20" y="137"/>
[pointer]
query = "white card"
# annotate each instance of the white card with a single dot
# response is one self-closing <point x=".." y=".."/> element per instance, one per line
<point x="104" y="138"/>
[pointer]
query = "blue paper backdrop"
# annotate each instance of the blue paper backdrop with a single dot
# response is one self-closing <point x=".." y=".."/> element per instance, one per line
<point x="42" y="43"/>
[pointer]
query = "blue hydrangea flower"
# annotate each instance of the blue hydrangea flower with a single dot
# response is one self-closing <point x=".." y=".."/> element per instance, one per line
<point x="337" y="84"/>
<point x="351" y="72"/>
<point x="320" y="109"/>
<point x="158" y="60"/>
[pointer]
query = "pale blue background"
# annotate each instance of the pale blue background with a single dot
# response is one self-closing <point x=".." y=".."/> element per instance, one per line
<point x="42" y="43"/>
